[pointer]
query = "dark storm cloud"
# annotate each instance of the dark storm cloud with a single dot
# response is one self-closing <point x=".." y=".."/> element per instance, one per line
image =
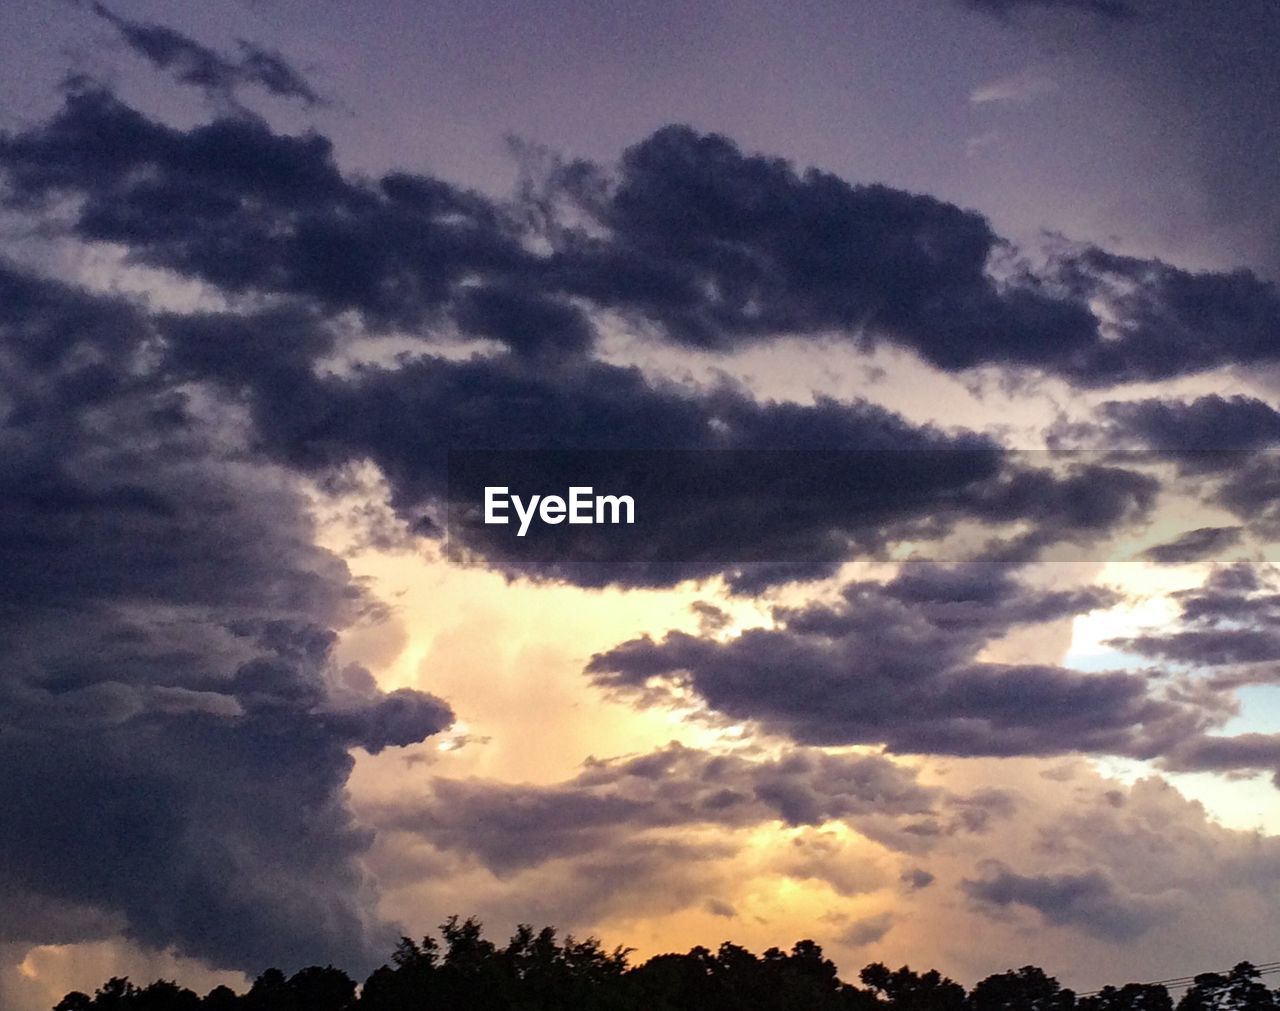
<point x="1089" y="497"/>
<point x="1210" y="647"/>
<point x="1229" y="628"/>
<point x="910" y="481"/>
<point x="1228" y="754"/>
<point x="249" y="210"/>
<point x="1250" y="489"/>
<point x="508" y="827"/>
<point x="1207" y="423"/>
<point x="1194" y="545"/>
<point x="1169" y="321"/>
<point x="1088" y="901"/>
<point x="896" y="663"/>
<point x="253" y="213"/>
<point x="723" y="248"/>
<point x="687" y="236"/>
<point x="45" y="322"/>
<point x="174" y="726"/>
<point x="1203" y="81"/>
<point x="1222" y="446"/>
<point x="217" y="75"/>
<point x="523" y="319"/>
<point x="405" y="418"/>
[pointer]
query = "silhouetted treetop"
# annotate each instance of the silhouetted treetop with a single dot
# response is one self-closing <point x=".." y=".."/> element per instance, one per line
<point x="536" y="971"/>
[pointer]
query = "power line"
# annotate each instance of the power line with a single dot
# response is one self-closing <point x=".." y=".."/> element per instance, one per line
<point x="1262" y="970"/>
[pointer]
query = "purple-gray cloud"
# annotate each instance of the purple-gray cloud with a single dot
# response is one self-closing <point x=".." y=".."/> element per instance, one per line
<point x="896" y="664"/>
<point x="217" y="75"/>
<point x="1088" y="900"/>
<point x="174" y="726"/>
<point x="714" y="247"/>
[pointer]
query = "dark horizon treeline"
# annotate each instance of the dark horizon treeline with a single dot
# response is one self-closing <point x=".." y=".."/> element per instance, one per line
<point x="536" y="972"/>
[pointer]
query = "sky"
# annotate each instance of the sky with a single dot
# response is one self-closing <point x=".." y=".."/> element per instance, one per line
<point x="949" y="636"/>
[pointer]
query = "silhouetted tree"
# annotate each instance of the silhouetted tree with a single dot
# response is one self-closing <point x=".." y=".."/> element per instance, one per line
<point x="1027" y="989"/>
<point x="221" y="998"/>
<point x="805" y="978"/>
<point x="118" y="994"/>
<point x="1130" y="997"/>
<point x="165" y="995"/>
<point x="1239" y="990"/>
<point x="403" y="987"/>
<point x="676" y="981"/>
<point x="536" y="971"/>
<point x="327" y="989"/>
<point x="905" y="990"/>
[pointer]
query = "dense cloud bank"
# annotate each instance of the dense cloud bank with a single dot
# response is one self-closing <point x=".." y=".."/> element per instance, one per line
<point x="686" y="235"/>
<point x="508" y="827"/>
<point x="687" y="239"/>
<point x="897" y="663"/>
<point x="1057" y="857"/>
<point x="175" y="725"/>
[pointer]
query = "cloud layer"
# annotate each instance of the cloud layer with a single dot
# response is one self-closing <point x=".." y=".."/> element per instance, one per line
<point x="174" y="724"/>
<point x="897" y="663"/>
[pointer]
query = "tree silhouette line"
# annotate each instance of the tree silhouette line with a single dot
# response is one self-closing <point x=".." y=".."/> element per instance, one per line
<point x="535" y="971"/>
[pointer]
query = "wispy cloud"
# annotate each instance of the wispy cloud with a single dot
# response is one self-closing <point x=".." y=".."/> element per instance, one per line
<point x="1021" y="88"/>
<point x="218" y="75"/>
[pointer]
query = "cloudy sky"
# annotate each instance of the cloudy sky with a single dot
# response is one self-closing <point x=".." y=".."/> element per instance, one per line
<point x="996" y="684"/>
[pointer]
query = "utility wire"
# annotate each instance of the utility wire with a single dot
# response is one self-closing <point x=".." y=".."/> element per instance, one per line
<point x="1262" y="970"/>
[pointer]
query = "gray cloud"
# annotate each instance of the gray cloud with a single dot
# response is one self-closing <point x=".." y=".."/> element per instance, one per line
<point x="895" y="663"/>
<point x="917" y="878"/>
<point x="867" y="931"/>
<point x="687" y="234"/>
<point x="509" y="827"/>
<point x="169" y="622"/>
<point x="1228" y="754"/>
<point x="1198" y="426"/>
<point x="1200" y="77"/>
<point x="1221" y="448"/>
<point x="321" y="422"/>
<point x="249" y="210"/>
<point x="1194" y="545"/>
<point x="1230" y="626"/>
<point x="724" y="248"/>
<point x="217" y="75"/>
<point x="1088" y="900"/>
<point x="174" y="727"/>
